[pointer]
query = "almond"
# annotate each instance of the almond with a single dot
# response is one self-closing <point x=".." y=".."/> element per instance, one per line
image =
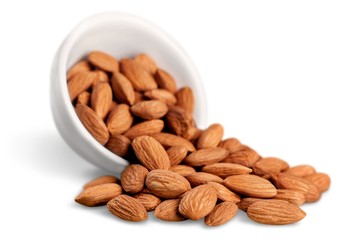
<point x="162" y="95"/>
<point x="224" y="194"/>
<point x="287" y="181"/>
<point x="176" y="154"/>
<point x="138" y="97"/>
<point x="149" y="201"/>
<point x="151" y="153"/>
<point x="291" y="196"/>
<point x="179" y="121"/>
<point x="103" y="61"/>
<point x="93" y="123"/>
<point x="168" y="210"/>
<point x="119" y="119"/>
<point x="193" y="134"/>
<point x="165" y="81"/>
<point x="127" y="208"/>
<point x="183" y="170"/>
<point x="210" y="137"/>
<point x="101" y="99"/>
<point x="198" y="202"/>
<point x="276" y="213"/>
<point x="101" y="77"/>
<point x="84" y="98"/>
<point x="166" y="184"/>
<point x="200" y="178"/>
<point x="81" y="66"/>
<point x="150" y="109"/>
<point x="300" y="170"/>
<point x="266" y="166"/>
<point x="145" y="128"/>
<point x="98" y="195"/>
<point x="185" y="99"/>
<point x="79" y="83"/>
<point x="251" y="185"/>
<point x="146" y="62"/>
<point x="101" y="180"/>
<point x="221" y="214"/>
<point x="206" y="156"/>
<point x="170" y="140"/>
<point x="224" y="170"/>
<point x="244" y="156"/>
<point x="321" y="180"/>
<point x="245" y="203"/>
<point x="231" y="144"/>
<point x="141" y="79"/>
<point x="133" y="178"/>
<point x="119" y="145"/>
<point x="122" y="88"/>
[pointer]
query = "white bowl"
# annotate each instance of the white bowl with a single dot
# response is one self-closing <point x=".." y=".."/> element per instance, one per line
<point x="121" y="35"/>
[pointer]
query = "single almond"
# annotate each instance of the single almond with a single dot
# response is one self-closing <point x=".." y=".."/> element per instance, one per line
<point x="122" y="88"/>
<point x="146" y="62"/>
<point x="179" y="121"/>
<point x="176" y="154"/>
<point x="210" y="137"/>
<point x="101" y="99"/>
<point x="198" y="202"/>
<point x="168" y="210"/>
<point x="206" y="156"/>
<point x="127" y="208"/>
<point x="162" y="95"/>
<point x="301" y="170"/>
<point x="193" y="134"/>
<point x="93" y="123"/>
<point x="291" y="196"/>
<point x="101" y="77"/>
<point x="185" y="99"/>
<point x="119" y="145"/>
<point x="245" y="203"/>
<point x="266" y="166"/>
<point x="245" y="156"/>
<point x="224" y="170"/>
<point x="165" y="80"/>
<point x="251" y="185"/>
<point x="145" y="128"/>
<point x="200" y="178"/>
<point x="221" y="214"/>
<point x="81" y="66"/>
<point x="321" y="180"/>
<point x="101" y="180"/>
<point x="80" y="82"/>
<point x="103" y="61"/>
<point x="170" y="140"/>
<point x="231" y="144"/>
<point x="84" y="98"/>
<point x="98" y="195"/>
<point x="150" y="109"/>
<point x="149" y="201"/>
<point x="275" y="213"/>
<point x="224" y="194"/>
<point x="151" y="153"/>
<point x="183" y="170"/>
<point x="166" y="184"/>
<point x="141" y="79"/>
<point x="119" y="119"/>
<point x="133" y="178"/>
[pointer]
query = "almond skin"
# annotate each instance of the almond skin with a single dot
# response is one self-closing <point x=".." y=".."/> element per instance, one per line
<point x="145" y="128"/>
<point x="250" y="185"/>
<point x="224" y="170"/>
<point x="149" y="201"/>
<point x="224" y="194"/>
<point x="185" y="99"/>
<point x="301" y="170"/>
<point x="183" y="170"/>
<point x="103" y="61"/>
<point x="165" y="81"/>
<point x="198" y="202"/>
<point x="210" y="137"/>
<point x="81" y="66"/>
<point x="150" y="109"/>
<point x="168" y="210"/>
<point x="162" y="95"/>
<point x="138" y="97"/>
<point x="275" y="213"/>
<point x="133" y="178"/>
<point x="101" y="99"/>
<point x="266" y="166"/>
<point x="101" y="77"/>
<point x="291" y="196"/>
<point x="101" y="180"/>
<point x="151" y="153"/>
<point x="79" y="83"/>
<point x="244" y="156"/>
<point x="231" y="144"/>
<point x="127" y="208"/>
<point x="98" y="195"/>
<point x="166" y="184"/>
<point x="321" y="180"/>
<point x="122" y="89"/>
<point x="221" y="214"/>
<point x="84" y="98"/>
<point x="170" y="140"/>
<point x="176" y="154"/>
<point x="119" y="119"/>
<point x="146" y="62"/>
<point x="119" y="145"/>
<point x="245" y="203"/>
<point x="93" y="123"/>
<point x="179" y="121"/>
<point x="206" y="156"/>
<point x="200" y="178"/>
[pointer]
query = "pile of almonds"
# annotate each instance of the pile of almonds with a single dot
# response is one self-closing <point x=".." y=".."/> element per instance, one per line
<point x="177" y="170"/>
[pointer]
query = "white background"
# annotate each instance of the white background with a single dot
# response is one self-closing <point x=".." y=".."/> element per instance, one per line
<point x="279" y="75"/>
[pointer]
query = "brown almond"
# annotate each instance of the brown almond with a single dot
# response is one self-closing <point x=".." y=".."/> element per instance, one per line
<point x="287" y="181"/>
<point x="210" y="137"/>
<point x="81" y="66"/>
<point x="122" y="89"/>
<point x="224" y="170"/>
<point x="193" y="134"/>
<point x="245" y="156"/>
<point x="198" y="202"/>
<point x="145" y="128"/>
<point x="185" y="99"/>
<point x="93" y="123"/>
<point x="133" y="178"/>
<point x="119" y="119"/>
<point x="224" y="194"/>
<point x="149" y="201"/>
<point x="251" y="185"/>
<point x="266" y="166"/>
<point x="245" y="203"/>
<point x="162" y="95"/>
<point x="150" y="109"/>
<point x="119" y="145"/>
<point x="199" y="178"/>
<point x="84" y="98"/>
<point x="170" y="140"/>
<point x="301" y="170"/>
<point x="291" y="196"/>
<point x="146" y="62"/>
<point x="101" y="77"/>
<point x="183" y="170"/>
<point x="165" y="80"/>
<point x="221" y="214"/>
<point x="275" y="213"/>
<point x="141" y="79"/>
<point x="168" y="210"/>
<point x="176" y="154"/>
<point x="179" y="121"/>
<point x="127" y="208"/>
<point x="79" y="83"/>
<point x="101" y="180"/>
<point x="166" y="184"/>
<point x="231" y="144"/>
<point x="206" y="156"/>
<point x="103" y="61"/>
<point x="98" y="195"/>
<point x="321" y="180"/>
<point x="101" y="99"/>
